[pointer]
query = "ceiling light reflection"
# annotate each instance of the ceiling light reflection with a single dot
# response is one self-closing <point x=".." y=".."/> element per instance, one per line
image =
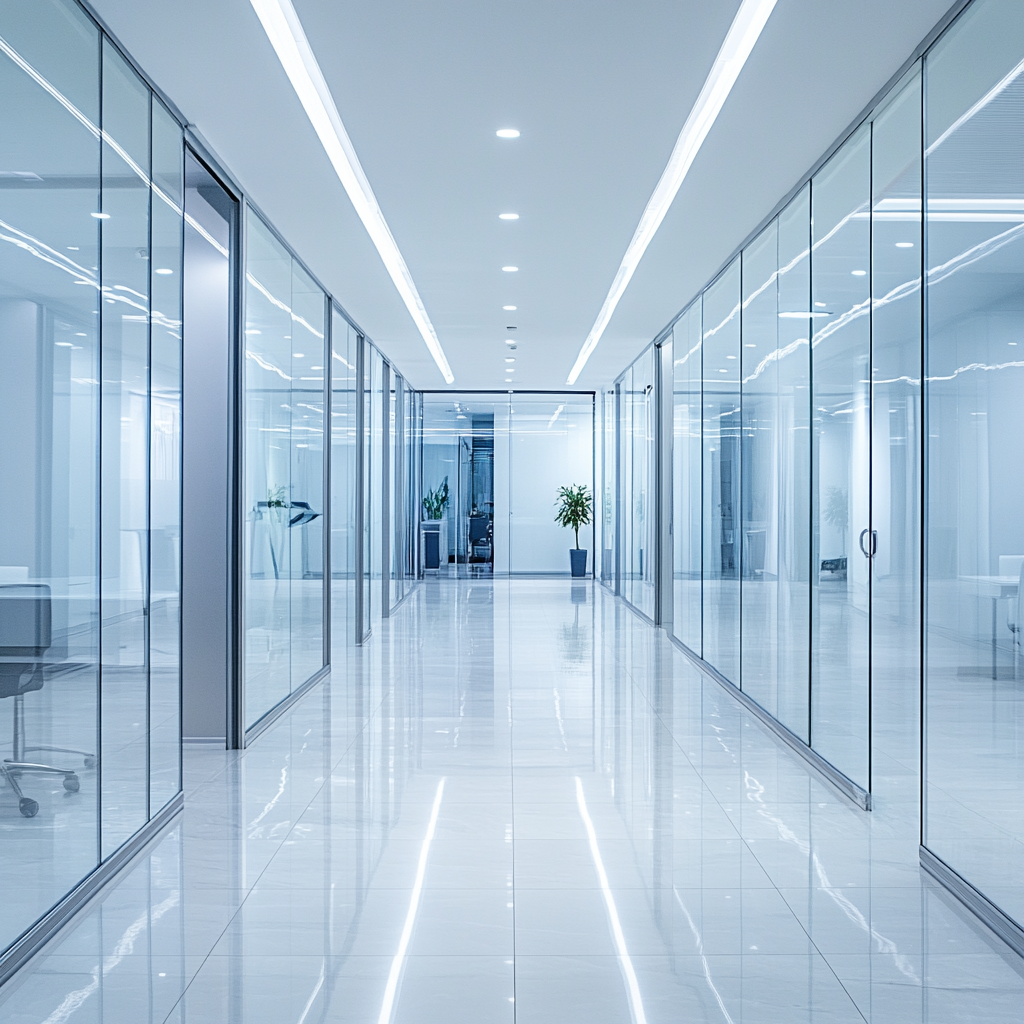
<point x="625" y="963"/>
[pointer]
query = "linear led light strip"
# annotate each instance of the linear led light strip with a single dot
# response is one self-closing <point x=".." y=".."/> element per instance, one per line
<point x="739" y="42"/>
<point x="284" y="30"/>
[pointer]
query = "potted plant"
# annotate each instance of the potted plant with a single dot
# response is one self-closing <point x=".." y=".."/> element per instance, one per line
<point x="574" y="509"/>
<point x="434" y="504"/>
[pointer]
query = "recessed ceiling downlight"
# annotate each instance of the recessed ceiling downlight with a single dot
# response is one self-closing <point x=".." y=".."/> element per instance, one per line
<point x="508" y="216"/>
<point x="510" y="270"/>
<point x="507" y="133"/>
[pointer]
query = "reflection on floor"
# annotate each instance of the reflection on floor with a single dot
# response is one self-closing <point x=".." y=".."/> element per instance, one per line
<point x="519" y="802"/>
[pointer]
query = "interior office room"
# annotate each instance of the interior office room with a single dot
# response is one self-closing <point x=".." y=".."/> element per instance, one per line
<point x="510" y="513"/>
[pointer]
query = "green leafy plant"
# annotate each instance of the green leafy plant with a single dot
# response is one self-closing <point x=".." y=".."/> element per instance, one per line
<point x="574" y="508"/>
<point x="275" y="498"/>
<point x="836" y="511"/>
<point x="436" y="501"/>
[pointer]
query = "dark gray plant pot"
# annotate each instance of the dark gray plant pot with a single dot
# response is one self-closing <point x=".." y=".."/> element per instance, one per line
<point x="578" y="561"/>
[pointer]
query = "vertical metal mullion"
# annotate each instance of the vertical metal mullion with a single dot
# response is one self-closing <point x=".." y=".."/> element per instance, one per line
<point x="737" y="524"/>
<point x="99" y="479"/>
<point x="236" y="449"/>
<point x="147" y="608"/>
<point x="923" y="483"/>
<point x="327" y="445"/>
<point x="618" y="488"/>
<point x="385" y="486"/>
<point x="360" y="491"/>
<point x="871" y="437"/>
<point x="811" y="574"/>
<point x="236" y="409"/>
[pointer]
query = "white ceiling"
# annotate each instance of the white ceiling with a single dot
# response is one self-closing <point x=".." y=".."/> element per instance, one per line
<point x="599" y="90"/>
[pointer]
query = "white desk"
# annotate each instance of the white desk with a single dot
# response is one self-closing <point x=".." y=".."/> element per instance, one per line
<point x="997" y="588"/>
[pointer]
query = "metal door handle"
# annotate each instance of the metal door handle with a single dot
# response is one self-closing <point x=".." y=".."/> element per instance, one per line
<point x="874" y="543"/>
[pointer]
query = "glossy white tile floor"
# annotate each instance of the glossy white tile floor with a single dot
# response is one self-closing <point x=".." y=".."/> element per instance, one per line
<point x="520" y="803"/>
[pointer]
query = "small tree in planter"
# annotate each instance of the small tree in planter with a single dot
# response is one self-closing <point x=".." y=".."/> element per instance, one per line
<point x="574" y="508"/>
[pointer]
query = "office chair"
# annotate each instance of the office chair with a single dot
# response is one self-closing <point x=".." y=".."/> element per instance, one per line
<point x="25" y="637"/>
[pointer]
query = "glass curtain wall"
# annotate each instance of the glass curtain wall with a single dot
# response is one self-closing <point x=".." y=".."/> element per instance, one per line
<point x="283" y="473"/>
<point x="90" y="455"/>
<point x="974" y="708"/>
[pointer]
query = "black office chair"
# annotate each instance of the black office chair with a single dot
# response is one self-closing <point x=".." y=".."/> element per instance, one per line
<point x="25" y="637"/>
<point x="480" y="536"/>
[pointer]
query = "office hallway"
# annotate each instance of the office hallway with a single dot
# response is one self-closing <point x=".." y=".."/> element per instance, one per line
<point x="520" y="803"/>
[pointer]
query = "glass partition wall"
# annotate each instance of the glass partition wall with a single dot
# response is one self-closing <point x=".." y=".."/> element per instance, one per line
<point x="974" y="708"/>
<point x="90" y="459"/>
<point x="804" y="527"/>
<point x="283" y="473"/>
<point x="501" y="459"/>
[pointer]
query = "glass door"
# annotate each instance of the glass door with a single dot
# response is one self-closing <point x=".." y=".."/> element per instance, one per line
<point x="842" y="540"/>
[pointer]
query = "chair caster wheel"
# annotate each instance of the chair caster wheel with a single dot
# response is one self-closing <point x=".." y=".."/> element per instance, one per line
<point x="71" y="783"/>
<point x="90" y="762"/>
<point x="28" y="807"/>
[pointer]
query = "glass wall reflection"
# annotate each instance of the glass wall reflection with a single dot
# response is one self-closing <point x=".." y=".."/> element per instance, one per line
<point x="90" y="419"/>
<point x="687" y="544"/>
<point x="283" y="473"/>
<point x="721" y="460"/>
<point x="975" y="376"/>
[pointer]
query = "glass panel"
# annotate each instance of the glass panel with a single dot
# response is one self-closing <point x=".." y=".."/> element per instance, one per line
<point x="759" y="526"/>
<point x="124" y="460"/>
<point x="896" y="444"/>
<point x="627" y="527"/>
<point x="343" y="486"/>
<point x="686" y="479"/>
<point x="266" y="604"/>
<point x="841" y="457"/>
<point x="642" y="508"/>
<point x="608" y="486"/>
<point x="551" y="446"/>
<point x="721" y="374"/>
<point x="283" y="606"/>
<point x="165" y="461"/>
<point x="394" y="512"/>
<point x="975" y="374"/>
<point x="49" y="470"/>
<point x="376" y="484"/>
<point x="306" y="535"/>
<point x="792" y="541"/>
